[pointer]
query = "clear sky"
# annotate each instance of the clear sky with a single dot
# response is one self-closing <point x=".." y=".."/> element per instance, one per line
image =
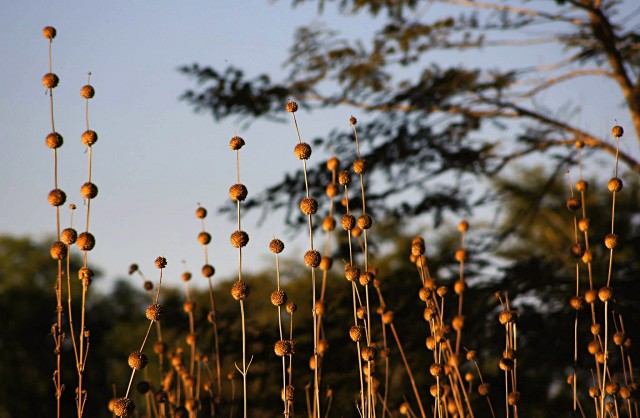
<point x="155" y="159"/>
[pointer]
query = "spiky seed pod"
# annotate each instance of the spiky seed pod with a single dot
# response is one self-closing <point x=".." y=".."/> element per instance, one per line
<point x="312" y="258"/>
<point x="86" y="241"/>
<point x="617" y="131"/>
<point x="292" y="106"/>
<point x="161" y="262"/>
<point x="612" y="388"/>
<point x="356" y="332"/>
<point x="506" y="317"/>
<point x="54" y="140"/>
<point x="361" y="312"/>
<point x="365" y="278"/>
<point x="333" y="164"/>
<point x="576" y="303"/>
<point x="323" y="346"/>
<point x="513" y="398"/>
<point x="69" y="236"/>
<point x="201" y="213"/>
<point x="49" y="32"/>
<point x="442" y="335"/>
<point x="238" y="192"/>
<point x="208" y="270"/>
<point x="89" y="190"/>
<point x="582" y="186"/>
<point x="309" y="205"/>
<point x="457" y="323"/>
<point x="583" y="224"/>
<point x="319" y="307"/>
<point x="236" y="143"/>
<point x="329" y="223"/>
<point x="50" y="80"/>
<point x="605" y="294"/>
<point x="137" y="360"/>
<point x="425" y="294"/>
<point x="626" y="392"/>
<point x="618" y="338"/>
<point x="302" y="151"/>
<point x="595" y="329"/>
<point x="573" y="204"/>
<point x="506" y="364"/>
<point x="278" y="297"/>
<point x="429" y="313"/>
<point x="326" y="263"/>
<point x="143" y="387"/>
<point x="594" y="392"/>
<point x="204" y="238"/>
<point x="240" y="290"/>
<point x="147" y="285"/>
<point x="368" y="353"/>
<point x="615" y="184"/>
<point x="58" y="250"/>
<point x="461" y="255"/>
<point x="291" y="307"/>
<point x="436" y="370"/>
<point x="85" y="273"/>
<point x="186" y="276"/>
<point x="577" y="250"/>
<point x="437" y="391"/>
<point x="441" y="291"/>
<point x="288" y="393"/>
<point x="417" y="248"/>
<point x="387" y="317"/>
<point x="239" y="239"/>
<point x="593" y="347"/>
<point x="344" y="178"/>
<point x="154" y="312"/>
<point x="351" y="272"/>
<point x="483" y="389"/>
<point x="360" y="166"/>
<point x="123" y="407"/>
<point x="189" y="306"/>
<point x="611" y="241"/>
<point x="365" y="221"/>
<point x="348" y="222"/>
<point x="57" y="197"/>
<point x="332" y="190"/>
<point x="282" y="348"/>
<point x="89" y="138"/>
<point x="276" y="246"/>
<point x="87" y="91"/>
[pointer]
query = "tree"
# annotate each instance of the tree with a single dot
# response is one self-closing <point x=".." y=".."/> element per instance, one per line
<point x="422" y="120"/>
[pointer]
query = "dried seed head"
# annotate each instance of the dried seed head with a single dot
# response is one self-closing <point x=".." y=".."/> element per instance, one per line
<point x="326" y="263"/>
<point x="236" y="143"/>
<point x="417" y="247"/>
<point x="436" y="370"/>
<point x="577" y="250"/>
<point x="429" y="313"/>
<point x="356" y="332"/>
<point x="594" y="392"/>
<point x="323" y="346"/>
<point x="583" y="224"/>
<point x="461" y="255"/>
<point x="615" y="184"/>
<point x="361" y="312"/>
<point x="154" y="312"/>
<point x="288" y="393"/>
<point x="201" y="213"/>
<point x="49" y="32"/>
<point x="291" y="307"/>
<point x="85" y="273"/>
<point x="191" y="339"/>
<point x="240" y="290"/>
<point x="351" y="272"/>
<point x="471" y="355"/>
<point x="619" y="338"/>
<point x="204" y="238"/>
<point x="441" y="291"/>
<point x="612" y="388"/>
<point x="137" y="360"/>
<point x="404" y="408"/>
<point x="344" y="178"/>
<point x="54" y="140"/>
<point x="576" y="303"/>
<point x="352" y="121"/>
<point x="309" y="205"/>
<point x="86" y="241"/>
<point x="365" y="221"/>
<point x="276" y="246"/>
<point x="282" y="348"/>
<point x="312" y="258"/>
<point x="123" y="407"/>
<point x="160" y="347"/>
<point x="593" y="347"/>
<point x="513" y="398"/>
<point x="582" y="186"/>
<point x="89" y="190"/>
<point x="595" y="329"/>
<point x="348" y="222"/>
<point x="292" y="106"/>
<point x="57" y="197"/>
<point x="459" y="286"/>
<point x="189" y="306"/>
<point x="278" y="297"/>
<point x="605" y="294"/>
<point x="161" y="262"/>
<point x="329" y="223"/>
<point x="69" y="236"/>
<point x="483" y="389"/>
<point x="238" y="192"/>
<point x="333" y="164"/>
<point x="611" y="241"/>
<point x="365" y="278"/>
<point x="58" y="250"/>
<point x="626" y="392"/>
<point x="186" y="276"/>
<point x="425" y="294"/>
<point x="586" y="257"/>
<point x="87" y="92"/>
<point x="368" y="353"/>
<point x="147" y="285"/>
<point x="208" y="270"/>
<point x="302" y="151"/>
<point x="573" y="204"/>
<point x="457" y="323"/>
<point x="617" y="131"/>
<point x="437" y="391"/>
<point x="463" y="226"/>
<point x="387" y="317"/>
<point x="89" y="138"/>
<point x="239" y="239"/>
<point x="50" y="80"/>
<point x="369" y="369"/>
<point x="360" y="166"/>
<point x="506" y="364"/>
<point x="332" y="190"/>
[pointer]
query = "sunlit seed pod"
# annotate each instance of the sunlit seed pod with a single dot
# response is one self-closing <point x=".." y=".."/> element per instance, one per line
<point x="615" y="184"/>
<point x="506" y="364"/>
<point x="611" y="241"/>
<point x="484" y="389"/>
<point x="436" y="370"/>
<point x="356" y="333"/>
<point x="404" y="408"/>
<point x="454" y="361"/>
<point x="239" y="239"/>
<point x="191" y="339"/>
<point x="85" y="273"/>
<point x="442" y="291"/>
<point x="57" y="197"/>
<point x="288" y="393"/>
<point x="329" y="223"/>
<point x="617" y="131"/>
<point x="147" y="285"/>
<point x="583" y="224"/>
<point x="326" y="263"/>
<point x="236" y="143"/>
<point x="509" y="353"/>
<point x="368" y="353"/>
<point x="586" y="257"/>
<point x="291" y="307"/>
<point x="577" y="303"/>
<point x="600" y="357"/>
<point x="506" y="317"/>
<point x="123" y="407"/>
<point x="430" y="283"/>
<point x="577" y="250"/>
<point x="50" y="81"/>
<point x="348" y="222"/>
<point x="323" y="346"/>
<point x="417" y="248"/>
<point x="471" y="355"/>
<point x="457" y="323"/>
<point x="461" y="255"/>
<point x="89" y="138"/>
<point x="459" y="286"/>
<point x="437" y="391"/>
<point x="351" y="272"/>
<point x="618" y="338"/>
<point x="361" y="312"/>
<point x="387" y="317"/>
<point x="429" y="313"/>
<point x="312" y="362"/>
<point x="356" y="232"/>
<point x="344" y="178"/>
<point x="309" y="206"/>
<point x="154" y="312"/>
<point x="463" y="226"/>
<point x="513" y="398"/>
<point x="425" y="294"/>
<point x="442" y="335"/>
<point x="58" y="250"/>
<point x="54" y="140"/>
<point x="369" y="369"/>
<point x="605" y="294"/>
<point x="278" y="297"/>
<point x="137" y="360"/>
<point x="86" y="241"/>
<point x="452" y="408"/>
<point x="594" y="392"/>
<point x="87" y="92"/>
<point x="612" y="388"/>
<point x="204" y="238"/>
<point x="360" y="166"/>
<point x="186" y="276"/>
<point x="302" y="151"/>
<point x="312" y="258"/>
<point x="276" y="246"/>
<point x="595" y="329"/>
<point x="189" y="306"/>
<point x="238" y="192"/>
<point x="625" y="392"/>
<point x="573" y="204"/>
<point x="333" y="164"/>
<point x="332" y="190"/>
<point x="143" y="387"/>
<point x="69" y="236"/>
<point x="319" y="307"/>
<point x="208" y="270"/>
<point x="365" y="221"/>
<point x="582" y="186"/>
<point x="365" y="278"/>
<point x="201" y="213"/>
<point x="593" y="347"/>
<point x="161" y="262"/>
<point x="291" y="106"/>
<point x="190" y="404"/>
<point x="50" y="32"/>
<point x="430" y="343"/>
<point x="240" y="290"/>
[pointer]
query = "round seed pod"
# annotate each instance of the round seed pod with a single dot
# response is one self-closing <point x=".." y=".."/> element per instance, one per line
<point x="208" y="270"/>
<point x="309" y="205"/>
<point x="50" y="80"/>
<point x="513" y="398"/>
<point x="605" y="294"/>
<point x="611" y="241"/>
<point x="468" y="377"/>
<point x="437" y="391"/>
<point x="57" y="197"/>
<point x="85" y="273"/>
<point x="471" y="355"/>
<point x="302" y="151"/>
<point x="369" y="369"/>
<point x="595" y="329"/>
<point x="58" y="250"/>
<point x="365" y="221"/>
<point x="147" y="285"/>
<point x="483" y="389"/>
<point x="186" y="276"/>
<point x="190" y="404"/>
<point x="579" y="144"/>
<point x="348" y="222"/>
<point x="204" y="238"/>
<point x="69" y="236"/>
<point x="365" y="278"/>
<point x="425" y="294"/>
<point x="137" y="360"/>
<point x="615" y="184"/>
<point x="312" y="258"/>
<point x="459" y="286"/>
<point x="329" y="223"/>
<point x="161" y="262"/>
<point x="442" y="291"/>
<point x="387" y="317"/>
<point x="323" y="346"/>
<point x="509" y="353"/>
<point x="344" y="178"/>
<point x="54" y="140"/>
<point x="123" y="407"/>
<point x="240" y="290"/>
<point x="236" y="143"/>
<point x="143" y="387"/>
<point x="201" y="213"/>
<point x="191" y="339"/>
<point x="506" y="317"/>
<point x="442" y="335"/>
<point x="239" y="239"/>
<point x="352" y="121"/>
<point x="326" y="263"/>
<point x="461" y="255"/>
<point x="404" y="408"/>
<point x="288" y="393"/>
<point x="626" y="392"/>
<point x="312" y="362"/>
<point x="463" y="226"/>
<point x="417" y="248"/>
<point x="332" y="190"/>
<point x="282" y="348"/>
<point x="594" y="392"/>
<point x="573" y="204"/>
<point x="87" y="91"/>
<point x="89" y="190"/>
<point x="586" y="257"/>
<point x="577" y="250"/>
<point x="333" y="164"/>
<point x="436" y="370"/>
<point x="430" y="342"/>
<point x="430" y="283"/>
<point x="292" y="106"/>
<point x="86" y="241"/>
<point x="89" y="138"/>
<point x="361" y="312"/>
<point x="319" y="307"/>
<point x="360" y="166"/>
<point x="356" y="332"/>
<point x="160" y="347"/>
<point x="576" y="303"/>
<point x="506" y="364"/>
<point x="583" y="224"/>
<point x="457" y="323"/>
<point x="351" y="272"/>
<point x="582" y="186"/>
<point x="368" y="353"/>
<point x="49" y="32"/>
<point x="276" y="246"/>
<point x="291" y="307"/>
<point x="617" y="131"/>
<point x="189" y="306"/>
<point x="429" y="313"/>
<point x="612" y="388"/>
<point x="600" y="357"/>
<point x="154" y="312"/>
<point x="278" y="297"/>
<point x="593" y="347"/>
<point x="618" y="338"/>
<point x="238" y="192"/>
